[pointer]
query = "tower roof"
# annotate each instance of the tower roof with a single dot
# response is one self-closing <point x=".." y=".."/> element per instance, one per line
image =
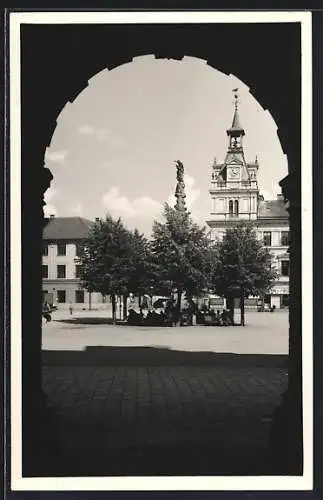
<point x="236" y="128"/>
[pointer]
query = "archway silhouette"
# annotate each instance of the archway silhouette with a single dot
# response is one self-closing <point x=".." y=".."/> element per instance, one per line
<point x="256" y="54"/>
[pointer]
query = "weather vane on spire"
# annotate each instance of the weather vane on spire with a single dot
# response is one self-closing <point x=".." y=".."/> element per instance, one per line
<point x="236" y="97"/>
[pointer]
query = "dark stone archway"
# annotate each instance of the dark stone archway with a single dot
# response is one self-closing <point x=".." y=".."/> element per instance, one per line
<point x="56" y="63"/>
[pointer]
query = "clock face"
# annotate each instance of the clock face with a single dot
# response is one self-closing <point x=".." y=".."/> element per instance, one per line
<point x="235" y="172"/>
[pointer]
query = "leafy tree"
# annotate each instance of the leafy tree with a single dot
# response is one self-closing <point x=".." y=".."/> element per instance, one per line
<point x="116" y="261"/>
<point x="106" y="259"/>
<point x="181" y="255"/>
<point x="139" y="272"/>
<point x="243" y="266"/>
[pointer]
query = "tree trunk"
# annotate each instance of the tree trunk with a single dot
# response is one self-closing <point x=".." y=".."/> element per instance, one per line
<point x="178" y="307"/>
<point x="230" y="307"/>
<point x="125" y="309"/>
<point x="114" y="314"/>
<point x="139" y="301"/>
<point x="242" y="309"/>
<point x="90" y="301"/>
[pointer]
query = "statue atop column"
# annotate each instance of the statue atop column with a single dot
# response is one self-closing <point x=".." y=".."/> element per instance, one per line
<point x="180" y="188"/>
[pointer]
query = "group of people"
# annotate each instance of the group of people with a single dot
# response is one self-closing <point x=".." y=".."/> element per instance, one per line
<point x="160" y="316"/>
<point x="149" y="318"/>
<point x="218" y="318"/>
<point x="169" y="315"/>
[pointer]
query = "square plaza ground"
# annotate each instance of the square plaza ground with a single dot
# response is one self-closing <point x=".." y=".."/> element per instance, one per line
<point x="179" y="401"/>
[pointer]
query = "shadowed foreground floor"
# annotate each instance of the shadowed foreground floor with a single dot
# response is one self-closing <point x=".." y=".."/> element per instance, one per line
<point x="150" y="411"/>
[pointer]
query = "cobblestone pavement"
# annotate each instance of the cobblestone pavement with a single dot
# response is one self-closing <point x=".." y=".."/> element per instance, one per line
<point x="206" y="417"/>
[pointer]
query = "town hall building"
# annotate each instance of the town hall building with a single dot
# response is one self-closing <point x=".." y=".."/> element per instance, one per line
<point x="235" y="196"/>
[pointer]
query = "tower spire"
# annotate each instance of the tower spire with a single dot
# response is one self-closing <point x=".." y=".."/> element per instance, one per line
<point x="236" y="131"/>
<point x="180" y="195"/>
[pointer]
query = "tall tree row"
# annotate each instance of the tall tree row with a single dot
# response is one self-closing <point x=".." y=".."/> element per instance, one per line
<point x="180" y="259"/>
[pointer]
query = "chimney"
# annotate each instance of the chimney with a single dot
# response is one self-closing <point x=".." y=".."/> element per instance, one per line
<point x="97" y="219"/>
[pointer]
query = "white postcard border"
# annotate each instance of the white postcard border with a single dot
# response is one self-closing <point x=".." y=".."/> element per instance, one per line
<point x="200" y="483"/>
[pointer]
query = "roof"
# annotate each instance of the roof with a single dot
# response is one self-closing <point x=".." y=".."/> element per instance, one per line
<point x="236" y="125"/>
<point x="67" y="228"/>
<point x="272" y="209"/>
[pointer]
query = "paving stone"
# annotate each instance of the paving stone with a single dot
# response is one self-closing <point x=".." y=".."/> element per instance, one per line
<point x="211" y="414"/>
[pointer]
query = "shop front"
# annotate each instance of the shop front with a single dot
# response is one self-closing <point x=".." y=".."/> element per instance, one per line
<point x="279" y="296"/>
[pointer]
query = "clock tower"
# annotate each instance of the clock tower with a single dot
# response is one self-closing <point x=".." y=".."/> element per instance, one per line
<point x="234" y="188"/>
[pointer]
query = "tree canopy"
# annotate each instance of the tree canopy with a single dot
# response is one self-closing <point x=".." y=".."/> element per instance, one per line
<point x="115" y="260"/>
<point x="181" y="253"/>
<point x="243" y="265"/>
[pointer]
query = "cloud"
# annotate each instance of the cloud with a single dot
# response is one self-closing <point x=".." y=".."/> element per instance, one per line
<point x="192" y="194"/>
<point x="146" y="206"/>
<point x="102" y="134"/>
<point x="77" y="209"/>
<point x="86" y="130"/>
<point x="118" y="205"/>
<point x="116" y="142"/>
<point x="107" y="164"/>
<point x="143" y="209"/>
<point x="55" y="156"/>
<point x="49" y="194"/>
<point x="49" y="208"/>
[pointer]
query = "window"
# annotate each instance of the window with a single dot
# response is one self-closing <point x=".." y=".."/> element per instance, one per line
<point x="285" y="268"/>
<point x="61" y="296"/>
<point x="79" y="296"/>
<point x="285" y="238"/>
<point x="44" y="271"/>
<point x="78" y="249"/>
<point x="230" y="208"/>
<point x="61" y="271"/>
<point x="236" y="207"/>
<point x="267" y="239"/>
<point x="61" y="249"/>
<point x="78" y="269"/>
<point x="45" y="249"/>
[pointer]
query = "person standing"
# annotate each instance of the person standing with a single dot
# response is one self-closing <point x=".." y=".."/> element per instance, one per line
<point x="46" y="312"/>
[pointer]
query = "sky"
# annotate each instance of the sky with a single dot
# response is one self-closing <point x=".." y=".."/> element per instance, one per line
<point x="114" y="148"/>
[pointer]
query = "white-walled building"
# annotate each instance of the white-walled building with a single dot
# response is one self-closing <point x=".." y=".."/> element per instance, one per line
<point x="62" y="240"/>
<point x="235" y="196"/>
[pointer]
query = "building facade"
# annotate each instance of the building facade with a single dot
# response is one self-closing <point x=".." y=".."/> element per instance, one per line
<point x="62" y="241"/>
<point x="235" y="196"/>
